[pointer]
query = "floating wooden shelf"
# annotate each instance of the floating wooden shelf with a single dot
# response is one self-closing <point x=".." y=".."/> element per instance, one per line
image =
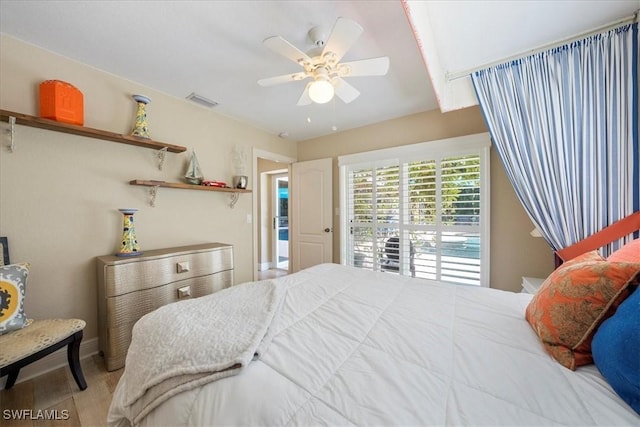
<point x="39" y="122"/>
<point x="153" y="189"/>
<point x="152" y="183"/>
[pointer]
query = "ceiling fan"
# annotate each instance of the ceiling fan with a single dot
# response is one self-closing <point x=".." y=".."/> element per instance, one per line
<point x="322" y="64"/>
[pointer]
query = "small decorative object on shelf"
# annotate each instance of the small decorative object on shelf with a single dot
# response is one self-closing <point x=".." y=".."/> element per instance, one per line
<point x="141" y="129"/>
<point x="240" y="181"/>
<point x="129" y="245"/>
<point x="62" y="102"/>
<point x="240" y="165"/>
<point x="193" y="175"/>
<point x="218" y="184"/>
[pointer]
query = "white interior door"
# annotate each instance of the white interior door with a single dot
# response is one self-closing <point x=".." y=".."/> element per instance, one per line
<point x="311" y="217"/>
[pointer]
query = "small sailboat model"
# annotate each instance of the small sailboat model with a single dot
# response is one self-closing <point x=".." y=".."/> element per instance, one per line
<point x="194" y="174"/>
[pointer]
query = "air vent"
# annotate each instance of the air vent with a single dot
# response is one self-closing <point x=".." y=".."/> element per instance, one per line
<point x="201" y="100"/>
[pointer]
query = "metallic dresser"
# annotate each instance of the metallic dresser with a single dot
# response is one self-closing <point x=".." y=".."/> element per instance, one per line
<point x="130" y="287"/>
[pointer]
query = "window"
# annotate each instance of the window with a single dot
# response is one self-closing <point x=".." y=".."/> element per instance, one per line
<point x="420" y="210"/>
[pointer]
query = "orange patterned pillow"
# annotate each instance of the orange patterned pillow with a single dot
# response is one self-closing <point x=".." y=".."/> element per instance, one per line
<point x="574" y="300"/>
<point x="587" y="256"/>
<point x="628" y="253"/>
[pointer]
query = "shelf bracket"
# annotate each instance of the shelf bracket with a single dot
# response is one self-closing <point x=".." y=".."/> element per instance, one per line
<point x="153" y="192"/>
<point x="234" y="199"/>
<point x="162" y="154"/>
<point x="12" y="131"/>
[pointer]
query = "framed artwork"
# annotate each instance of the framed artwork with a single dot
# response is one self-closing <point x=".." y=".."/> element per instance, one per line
<point x="4" y="245"/>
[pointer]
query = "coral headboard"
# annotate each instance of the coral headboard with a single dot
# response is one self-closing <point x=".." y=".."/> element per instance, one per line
<point x="615" y="231"/>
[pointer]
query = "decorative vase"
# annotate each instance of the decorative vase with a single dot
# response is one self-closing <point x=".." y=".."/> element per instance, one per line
<point x="240" y="181"/>
<point x="129" y="245"/>
<point x="140" y="129"/>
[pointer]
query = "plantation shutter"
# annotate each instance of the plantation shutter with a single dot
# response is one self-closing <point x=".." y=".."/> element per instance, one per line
<point x="443" y="220"/>
<point x="424" y="215"/>
<point x="373" y="211"/>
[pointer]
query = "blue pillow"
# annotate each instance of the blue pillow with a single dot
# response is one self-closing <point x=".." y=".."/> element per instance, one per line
<point x="616" y="350"/>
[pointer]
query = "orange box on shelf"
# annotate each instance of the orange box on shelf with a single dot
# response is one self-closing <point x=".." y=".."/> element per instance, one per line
<point x="62" y="102"/>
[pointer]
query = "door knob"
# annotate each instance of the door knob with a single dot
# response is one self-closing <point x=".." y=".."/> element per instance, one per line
<point x="326" y="230"/>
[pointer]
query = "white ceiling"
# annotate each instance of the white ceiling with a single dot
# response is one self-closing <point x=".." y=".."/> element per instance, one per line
<point x="214" y="48"/>
<point x="457" y="36"/>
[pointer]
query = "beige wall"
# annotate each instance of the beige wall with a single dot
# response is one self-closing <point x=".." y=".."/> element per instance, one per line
<point x="514" y="253"/>
<point x="60" y="193"/>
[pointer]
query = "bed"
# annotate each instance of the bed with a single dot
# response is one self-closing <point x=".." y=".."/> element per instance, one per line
<point x="337" y="345"/>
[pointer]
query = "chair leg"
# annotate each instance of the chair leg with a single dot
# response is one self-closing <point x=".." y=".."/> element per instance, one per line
<point x="73" y="355"/>
<point x="11" y="379"/>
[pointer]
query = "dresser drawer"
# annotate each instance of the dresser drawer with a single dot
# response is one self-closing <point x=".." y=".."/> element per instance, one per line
<point x="128" y="308"/>
<point x="130" y="287"/>
<point x="125" y="278"/>
<point x="123" y="311"/>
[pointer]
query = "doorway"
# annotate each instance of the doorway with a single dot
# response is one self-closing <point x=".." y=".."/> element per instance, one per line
<point x="266" y="165"/>
<point x="280" y="221"/>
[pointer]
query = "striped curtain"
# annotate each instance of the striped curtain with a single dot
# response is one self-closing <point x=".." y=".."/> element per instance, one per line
<point x="565" y="124"/>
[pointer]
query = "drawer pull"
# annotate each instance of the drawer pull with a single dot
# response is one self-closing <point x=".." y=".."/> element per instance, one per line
<point x="182" y="267"/>
<point x="184" y="292"/>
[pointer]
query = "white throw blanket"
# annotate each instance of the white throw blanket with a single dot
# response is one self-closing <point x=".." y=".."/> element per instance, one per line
<point x="209" y="338"/>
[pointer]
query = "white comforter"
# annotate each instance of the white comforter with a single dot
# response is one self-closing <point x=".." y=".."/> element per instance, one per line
<point x="351" y="346"/>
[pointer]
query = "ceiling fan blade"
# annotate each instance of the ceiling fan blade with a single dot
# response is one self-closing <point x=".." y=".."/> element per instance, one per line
<point x="365" y="67"/>
<point x="344" y="90"/>
<point x="305" y="99"/>
<point x="344" y="34"/>
<point x="271" y="81"/>
<point x="286" y="49"/>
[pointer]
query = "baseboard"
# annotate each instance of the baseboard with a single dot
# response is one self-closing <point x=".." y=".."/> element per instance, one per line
<point x="54" y="360"/>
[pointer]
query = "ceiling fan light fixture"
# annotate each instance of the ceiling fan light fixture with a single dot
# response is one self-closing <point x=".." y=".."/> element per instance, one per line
<point x="321" y="91"/>
<point x="322" y="63"/>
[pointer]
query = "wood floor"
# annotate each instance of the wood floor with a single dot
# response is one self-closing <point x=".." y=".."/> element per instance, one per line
<point x="271" y="274"/>
<point x="56" y="395"/>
